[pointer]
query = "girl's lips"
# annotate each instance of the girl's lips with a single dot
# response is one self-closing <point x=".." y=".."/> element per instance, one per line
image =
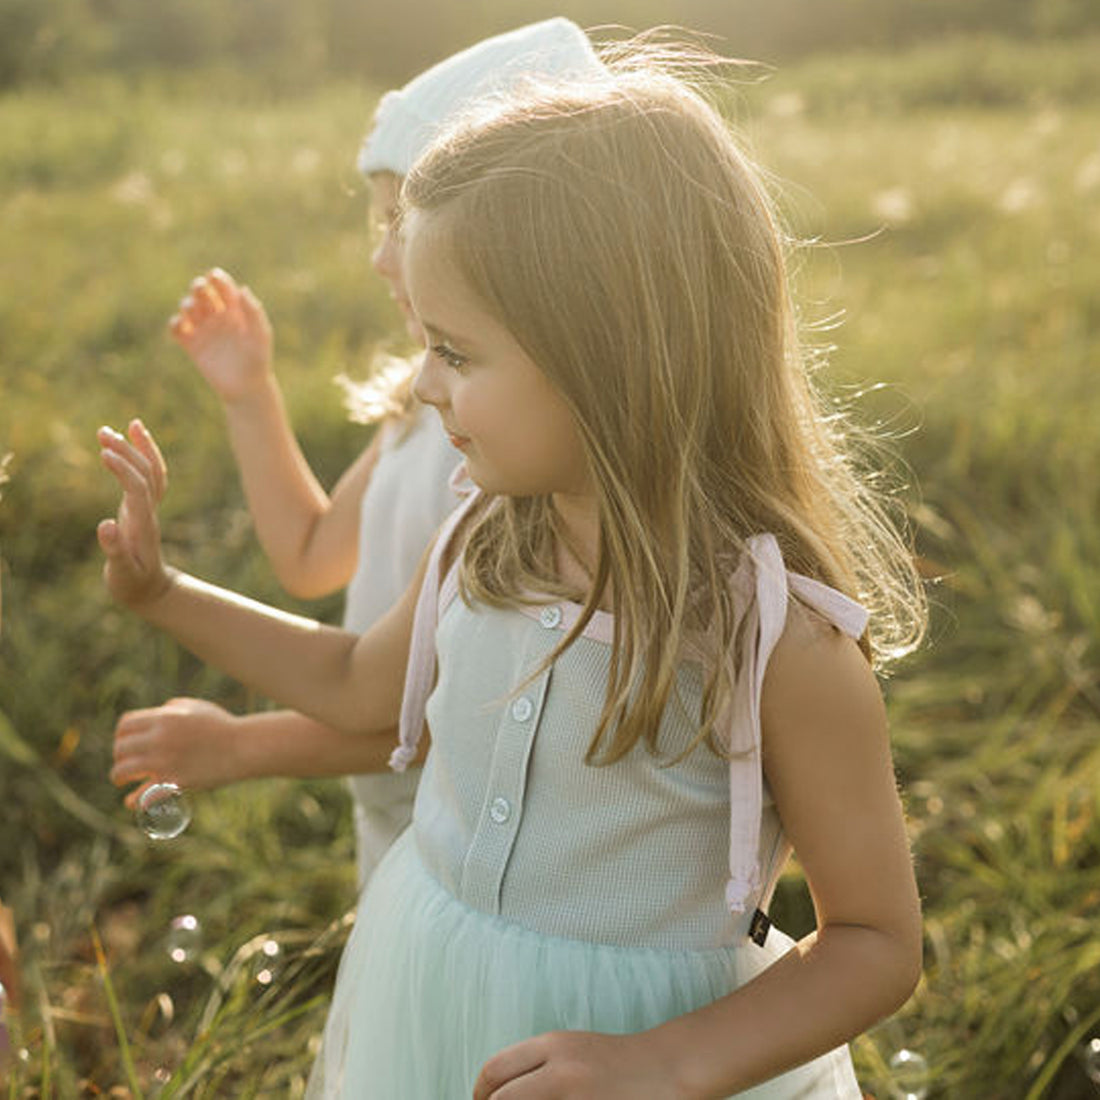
<point x="459" y="441"/>
<point x="401" y="302"/>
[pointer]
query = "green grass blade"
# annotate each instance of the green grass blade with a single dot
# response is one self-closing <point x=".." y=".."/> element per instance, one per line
<point x="116" y="1016"/>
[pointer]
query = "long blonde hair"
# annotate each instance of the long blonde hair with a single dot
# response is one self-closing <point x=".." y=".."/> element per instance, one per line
<point x="616" y="229"/>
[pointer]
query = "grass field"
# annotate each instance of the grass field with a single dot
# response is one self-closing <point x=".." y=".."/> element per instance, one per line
<point x="954" y="198"/>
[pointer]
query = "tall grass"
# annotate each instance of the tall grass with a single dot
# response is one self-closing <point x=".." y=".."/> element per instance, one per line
<point x="957" y="241"/>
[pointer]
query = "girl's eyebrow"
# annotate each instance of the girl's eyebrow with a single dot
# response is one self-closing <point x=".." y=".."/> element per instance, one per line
<point x="438" y="335"/>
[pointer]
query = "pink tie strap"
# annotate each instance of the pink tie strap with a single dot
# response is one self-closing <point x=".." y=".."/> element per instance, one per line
<point x="420" y="671"/>
<point x="766" y="617"/>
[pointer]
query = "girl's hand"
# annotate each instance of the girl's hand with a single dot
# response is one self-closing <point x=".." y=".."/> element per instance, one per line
<point x="186" y="741"/>
<point x="578" y="1065"/>
<point x="134" y="572"/>
<point x="223" y="328"/>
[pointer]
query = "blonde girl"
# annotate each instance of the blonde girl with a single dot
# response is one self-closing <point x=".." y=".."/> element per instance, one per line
<point x="641" y="648"/>
<point x="373" y="527"/>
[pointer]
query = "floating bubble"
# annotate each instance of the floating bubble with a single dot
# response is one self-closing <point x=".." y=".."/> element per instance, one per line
<point x="184" y="938"/>
<point x="266" y="962"/>
<point x="909" y="1075"/>
<point x="161" y="1076"/>
<point x="163" y="812"/>
<point x="1090" y="1060"/>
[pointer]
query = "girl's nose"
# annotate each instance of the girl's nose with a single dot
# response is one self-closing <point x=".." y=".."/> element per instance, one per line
<point x="429" y="385"/>
<point x="384" y="258"/>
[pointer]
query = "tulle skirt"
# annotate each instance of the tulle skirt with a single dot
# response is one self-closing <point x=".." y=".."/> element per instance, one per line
<point x="429" y="989"/>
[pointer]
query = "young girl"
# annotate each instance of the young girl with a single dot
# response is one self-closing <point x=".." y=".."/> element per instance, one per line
<point x="636" y="646"/>
<point x="383" y="511"/>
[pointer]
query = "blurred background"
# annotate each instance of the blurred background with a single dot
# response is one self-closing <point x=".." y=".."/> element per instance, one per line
<point x="943" y="158"/>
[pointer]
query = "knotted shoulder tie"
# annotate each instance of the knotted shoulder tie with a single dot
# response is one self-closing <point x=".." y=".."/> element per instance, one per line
<point x="764" y="586"/>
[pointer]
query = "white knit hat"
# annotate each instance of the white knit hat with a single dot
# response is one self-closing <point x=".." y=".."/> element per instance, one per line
<point x="407" y="120"/>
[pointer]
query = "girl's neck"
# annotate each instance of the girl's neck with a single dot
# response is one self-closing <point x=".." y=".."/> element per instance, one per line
<point x="578" y="548"/>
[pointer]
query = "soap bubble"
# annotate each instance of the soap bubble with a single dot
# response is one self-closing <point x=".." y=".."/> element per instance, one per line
<point x="909" y="1075"/>
<point x="1090" y="1060"/>
<point x="266" y="962"/>
<point x="184" y="938"/>
<point x="163" y="812"/>
<point x="161" y="1076"/>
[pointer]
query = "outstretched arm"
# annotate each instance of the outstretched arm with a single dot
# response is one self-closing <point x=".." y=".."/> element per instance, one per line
<point x="352" y="683"/>
<point x="309" y="537"/>
<point x="201" y="746"/>
<point x="828" y="763"/>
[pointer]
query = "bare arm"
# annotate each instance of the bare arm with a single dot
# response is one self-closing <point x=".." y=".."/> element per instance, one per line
<point x="309" y="536"/>
<point x="201" y="746"/>
<point x="827" y="757"/>
<point x="352" y="683"/>
<point x="828" y="763"/>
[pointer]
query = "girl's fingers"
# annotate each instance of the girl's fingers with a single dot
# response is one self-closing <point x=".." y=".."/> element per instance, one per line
<point x="252" y="309"/>
<point x="509" y="1065"/>
<point x="132" y="799"/>
<point x="130" y="542"/>
<point x="127" y="771"/>
<point x="249" y="301"/>
<point x="134" y="721"/>
<point x="107" y="536"/>
<point x="250" y="304"/>
<point x="206" y="299"/>
<point x="180" y="328"/>
<point x="133" y="482"/>
<point x="223" y="284"/>
<point x="130" y="744"/>
<point x="143" y="462"/>
<point x="133" y="571"/>
<point x="143" y="439"/>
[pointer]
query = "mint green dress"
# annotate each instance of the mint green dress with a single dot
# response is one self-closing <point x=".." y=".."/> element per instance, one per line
<point x="535" y="893"/>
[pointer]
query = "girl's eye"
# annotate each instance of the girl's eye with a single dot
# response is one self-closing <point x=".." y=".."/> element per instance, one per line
<point x="449" y="356"/>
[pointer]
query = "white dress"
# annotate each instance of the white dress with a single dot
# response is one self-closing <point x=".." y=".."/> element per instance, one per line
<point x="536" y="893"/>
<point x="405" y="502"/>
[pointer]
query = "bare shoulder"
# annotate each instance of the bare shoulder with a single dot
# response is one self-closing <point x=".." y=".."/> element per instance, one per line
<point x="818" y="684"/>
<point x="826" y="754"/>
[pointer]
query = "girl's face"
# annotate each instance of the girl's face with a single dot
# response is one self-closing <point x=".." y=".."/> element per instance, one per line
<point x="516" y="431"/>
<point x="386" y="257"/>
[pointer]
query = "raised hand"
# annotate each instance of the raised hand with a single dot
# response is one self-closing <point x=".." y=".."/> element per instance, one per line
<point x="186" y="741"/>
<point x="134" y="572"/>
<point x="223" y="328"/>
<point x="578" y="1065"/>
